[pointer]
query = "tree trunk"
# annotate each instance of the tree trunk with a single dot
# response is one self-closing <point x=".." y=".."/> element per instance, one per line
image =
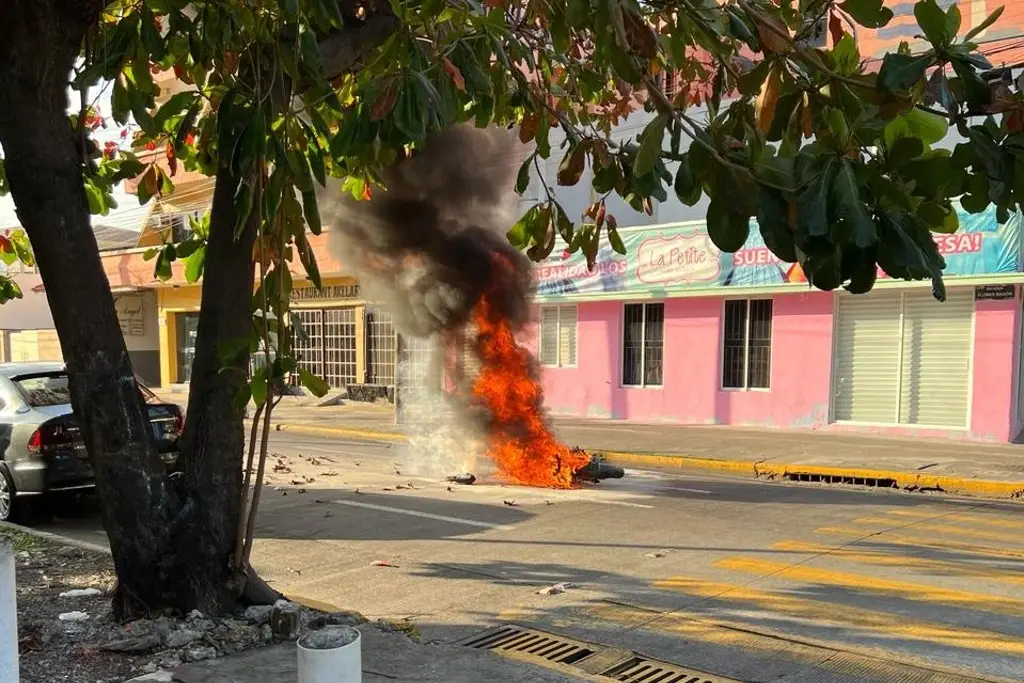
<point x="214" y="439"/>
<point x="39" y="39"/>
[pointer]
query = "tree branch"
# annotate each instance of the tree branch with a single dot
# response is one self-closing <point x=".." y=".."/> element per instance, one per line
<point x="343" y="49"/>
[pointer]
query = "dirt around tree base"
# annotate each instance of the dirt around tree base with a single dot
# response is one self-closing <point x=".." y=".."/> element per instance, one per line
<point x="66" y="632"/>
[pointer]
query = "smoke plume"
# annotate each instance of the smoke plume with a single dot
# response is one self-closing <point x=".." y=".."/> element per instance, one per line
<point x="426" y="248"/>
<point x="423" y="247"/>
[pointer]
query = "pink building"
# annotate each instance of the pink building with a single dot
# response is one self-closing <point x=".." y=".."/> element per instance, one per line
<point x="676" y="331"/>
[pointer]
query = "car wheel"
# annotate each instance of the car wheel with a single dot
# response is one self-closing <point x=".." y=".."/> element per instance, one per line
<point x="6" y="495"/>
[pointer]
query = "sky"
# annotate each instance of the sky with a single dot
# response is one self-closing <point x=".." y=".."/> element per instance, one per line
<point x="128" y="214"/>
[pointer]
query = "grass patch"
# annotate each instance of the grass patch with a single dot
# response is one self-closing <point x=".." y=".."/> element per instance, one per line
<point x="22" y="542"/>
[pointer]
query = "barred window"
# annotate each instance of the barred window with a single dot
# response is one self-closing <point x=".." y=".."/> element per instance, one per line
<point x="558" y="336"/>
<point x="643" y="345"/>
<point x="747" y="344"/>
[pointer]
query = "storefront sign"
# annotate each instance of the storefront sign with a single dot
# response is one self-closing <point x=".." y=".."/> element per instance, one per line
<point x="681" y="257"/>
<point x="129" y="315"/>
<point x="994" y="292"/>
<point x="328" y="292"/>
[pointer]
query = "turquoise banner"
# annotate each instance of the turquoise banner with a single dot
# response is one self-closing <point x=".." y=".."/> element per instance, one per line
<point x="680" y="257"/>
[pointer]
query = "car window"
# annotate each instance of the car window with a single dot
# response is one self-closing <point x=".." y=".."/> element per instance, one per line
<point x="44" y="390"/>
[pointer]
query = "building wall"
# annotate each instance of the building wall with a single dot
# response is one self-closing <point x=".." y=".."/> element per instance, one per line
<point x="35" y="345"/>
<point x="801" y="375"/>
<point x="692" y="393"/>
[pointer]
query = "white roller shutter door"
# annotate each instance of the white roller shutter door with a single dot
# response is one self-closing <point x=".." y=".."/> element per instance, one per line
<point x="867" y="358"/>
<point x="935" y="386"/>
<point x="904" y="359"/>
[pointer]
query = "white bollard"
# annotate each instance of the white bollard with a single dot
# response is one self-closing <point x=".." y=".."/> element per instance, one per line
<point x="8" y="614"/>
<point x="331" y="655"/>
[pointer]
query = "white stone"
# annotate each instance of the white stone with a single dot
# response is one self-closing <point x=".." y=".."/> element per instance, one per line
<point x="81" y="593"/>
<point x="73" y="616"/>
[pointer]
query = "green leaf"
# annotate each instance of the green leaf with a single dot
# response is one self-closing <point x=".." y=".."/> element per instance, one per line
<point x="850" y="208"/>
<point x="812" y="204"/>
<point x="901" y="72"/>
<point x="523" y="177"/>
<point x="241" y="398"/>
<point x="952" y="26"/>
<point x="650" y="146"/>
<point x="687" y="189"/>
<point x="750" y="83"/>
<point x="615" y="240"/>
<point x="991" y="19"/>
<point x="259" y="387"/>
<point x="519" y="234"/>
<point x="728" y="229"/>
<point x="904" y="149"/>
<point x="867" y="13"/>
<point x="173" y="107"/>
<point x="311" y="211"/>
<point x="195" y="264"/>
<point x="927" y="127"/>
<point x="315" y="384"/>
<point x="932" y="21"/>
<point x="773" y="221"/>
<point x="187" y="248"/>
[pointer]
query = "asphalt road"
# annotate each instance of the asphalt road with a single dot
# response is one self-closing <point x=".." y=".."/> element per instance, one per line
<point x="751" y="580"/>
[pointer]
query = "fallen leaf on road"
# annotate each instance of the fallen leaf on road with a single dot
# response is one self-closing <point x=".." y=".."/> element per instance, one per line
<point x="359" y="492"/>
<point x="302" y="490"/>
<point x="398" y="472"/>
<point x="295" y="571"/>
<point x="319" y="500"/>
<point x="449" y="489"/>
<point x="386" y="489"/>
<point x="332" y="473"/>
<point x="656" y="554"/>
<point x="309" y="479"/>
<point x="327" y="514"/>
<point x="510" y="503"/>
<point x="357" y="463"/>
<point x="29" y="644"/>
<point x="383" y="563"/>
<point x="296" y="482"/>
<point x="556" y="589"/>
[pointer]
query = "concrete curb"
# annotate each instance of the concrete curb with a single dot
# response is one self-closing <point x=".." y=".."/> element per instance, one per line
<point x="909" y="481"/>
<point x="56" y="538"/>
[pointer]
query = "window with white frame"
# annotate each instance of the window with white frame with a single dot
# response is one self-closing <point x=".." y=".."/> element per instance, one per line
<point x="558" y="336"/>
<point x="643" y="345"/>
<point x="747" y="344"/>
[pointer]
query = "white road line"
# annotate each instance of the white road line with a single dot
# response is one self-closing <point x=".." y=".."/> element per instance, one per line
<point x="425" y="515"/>
<point x="700" y="491"/>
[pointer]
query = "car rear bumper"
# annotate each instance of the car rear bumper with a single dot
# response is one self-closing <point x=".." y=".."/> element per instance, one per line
<point x="62" y="471"/>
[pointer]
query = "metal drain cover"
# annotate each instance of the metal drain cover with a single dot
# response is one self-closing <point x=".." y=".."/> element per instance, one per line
<point x="536" y="644"/>
<point x="609" y="662"/>
<point x="643" y="670"/>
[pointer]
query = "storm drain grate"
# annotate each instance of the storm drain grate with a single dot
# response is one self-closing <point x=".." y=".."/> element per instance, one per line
<point x="874" y="482"/>
<point x="608" y="662"/>
<point x="534" y="643"/>
<point x="643" y="670"/>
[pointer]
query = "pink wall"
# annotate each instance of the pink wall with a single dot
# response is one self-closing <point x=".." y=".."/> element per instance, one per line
<point x="995" y="370"/>
<point x="801" y="358"/>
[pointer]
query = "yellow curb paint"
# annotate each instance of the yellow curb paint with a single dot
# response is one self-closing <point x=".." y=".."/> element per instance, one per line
<point x="316" y="604"/>
<point x="876" y="557"/>
<point x="905" y="590"/>
<point x="762" y="470"/>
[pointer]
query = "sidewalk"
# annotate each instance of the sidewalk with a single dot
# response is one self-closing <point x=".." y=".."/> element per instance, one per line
<point x="386" y="656"/>
<point x="958" y="467"/>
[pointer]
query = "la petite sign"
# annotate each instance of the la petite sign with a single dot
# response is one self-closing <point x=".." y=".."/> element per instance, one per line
<point x="678" y="259"/>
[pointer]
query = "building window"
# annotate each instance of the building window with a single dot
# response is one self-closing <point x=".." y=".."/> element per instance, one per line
<point x="177" y="225"/>
<point x="558" y="336"/>
<point x="747" y="344"/>
<point x="643" y="345"/>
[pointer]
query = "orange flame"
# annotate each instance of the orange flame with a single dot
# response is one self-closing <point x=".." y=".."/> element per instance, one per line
<point x="520" y="440"/>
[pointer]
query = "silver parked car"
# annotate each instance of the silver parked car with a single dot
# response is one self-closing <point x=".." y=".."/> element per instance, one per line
<point x="41" y="446"/>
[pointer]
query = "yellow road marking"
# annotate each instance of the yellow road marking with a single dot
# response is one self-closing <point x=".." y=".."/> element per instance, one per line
<point x="907" y="590"/>
<point x="930" y="542"/>
<point x="942" y="528"/>
<point x="989" y="520"/>
<point x="879" y="557"/>
<point x="879" y="624"/>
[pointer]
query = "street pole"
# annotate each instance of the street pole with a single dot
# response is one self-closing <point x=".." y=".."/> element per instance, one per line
<point x="8" y="614"/>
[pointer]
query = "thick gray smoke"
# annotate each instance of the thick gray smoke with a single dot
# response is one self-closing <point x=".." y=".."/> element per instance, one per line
<point x="424" y="248"/>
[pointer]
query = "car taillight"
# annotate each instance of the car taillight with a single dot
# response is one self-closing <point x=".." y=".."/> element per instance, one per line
<point x="179" y="424"/>
<point x="48" y="437"/>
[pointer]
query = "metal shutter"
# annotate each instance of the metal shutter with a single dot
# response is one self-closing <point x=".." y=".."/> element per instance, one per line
<point x="549" y="335"/>
<point x="470" y="359"/>
<point x="567" y="335"/>
<point x="865" y="383"/>
<point x="935" y="383"/>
